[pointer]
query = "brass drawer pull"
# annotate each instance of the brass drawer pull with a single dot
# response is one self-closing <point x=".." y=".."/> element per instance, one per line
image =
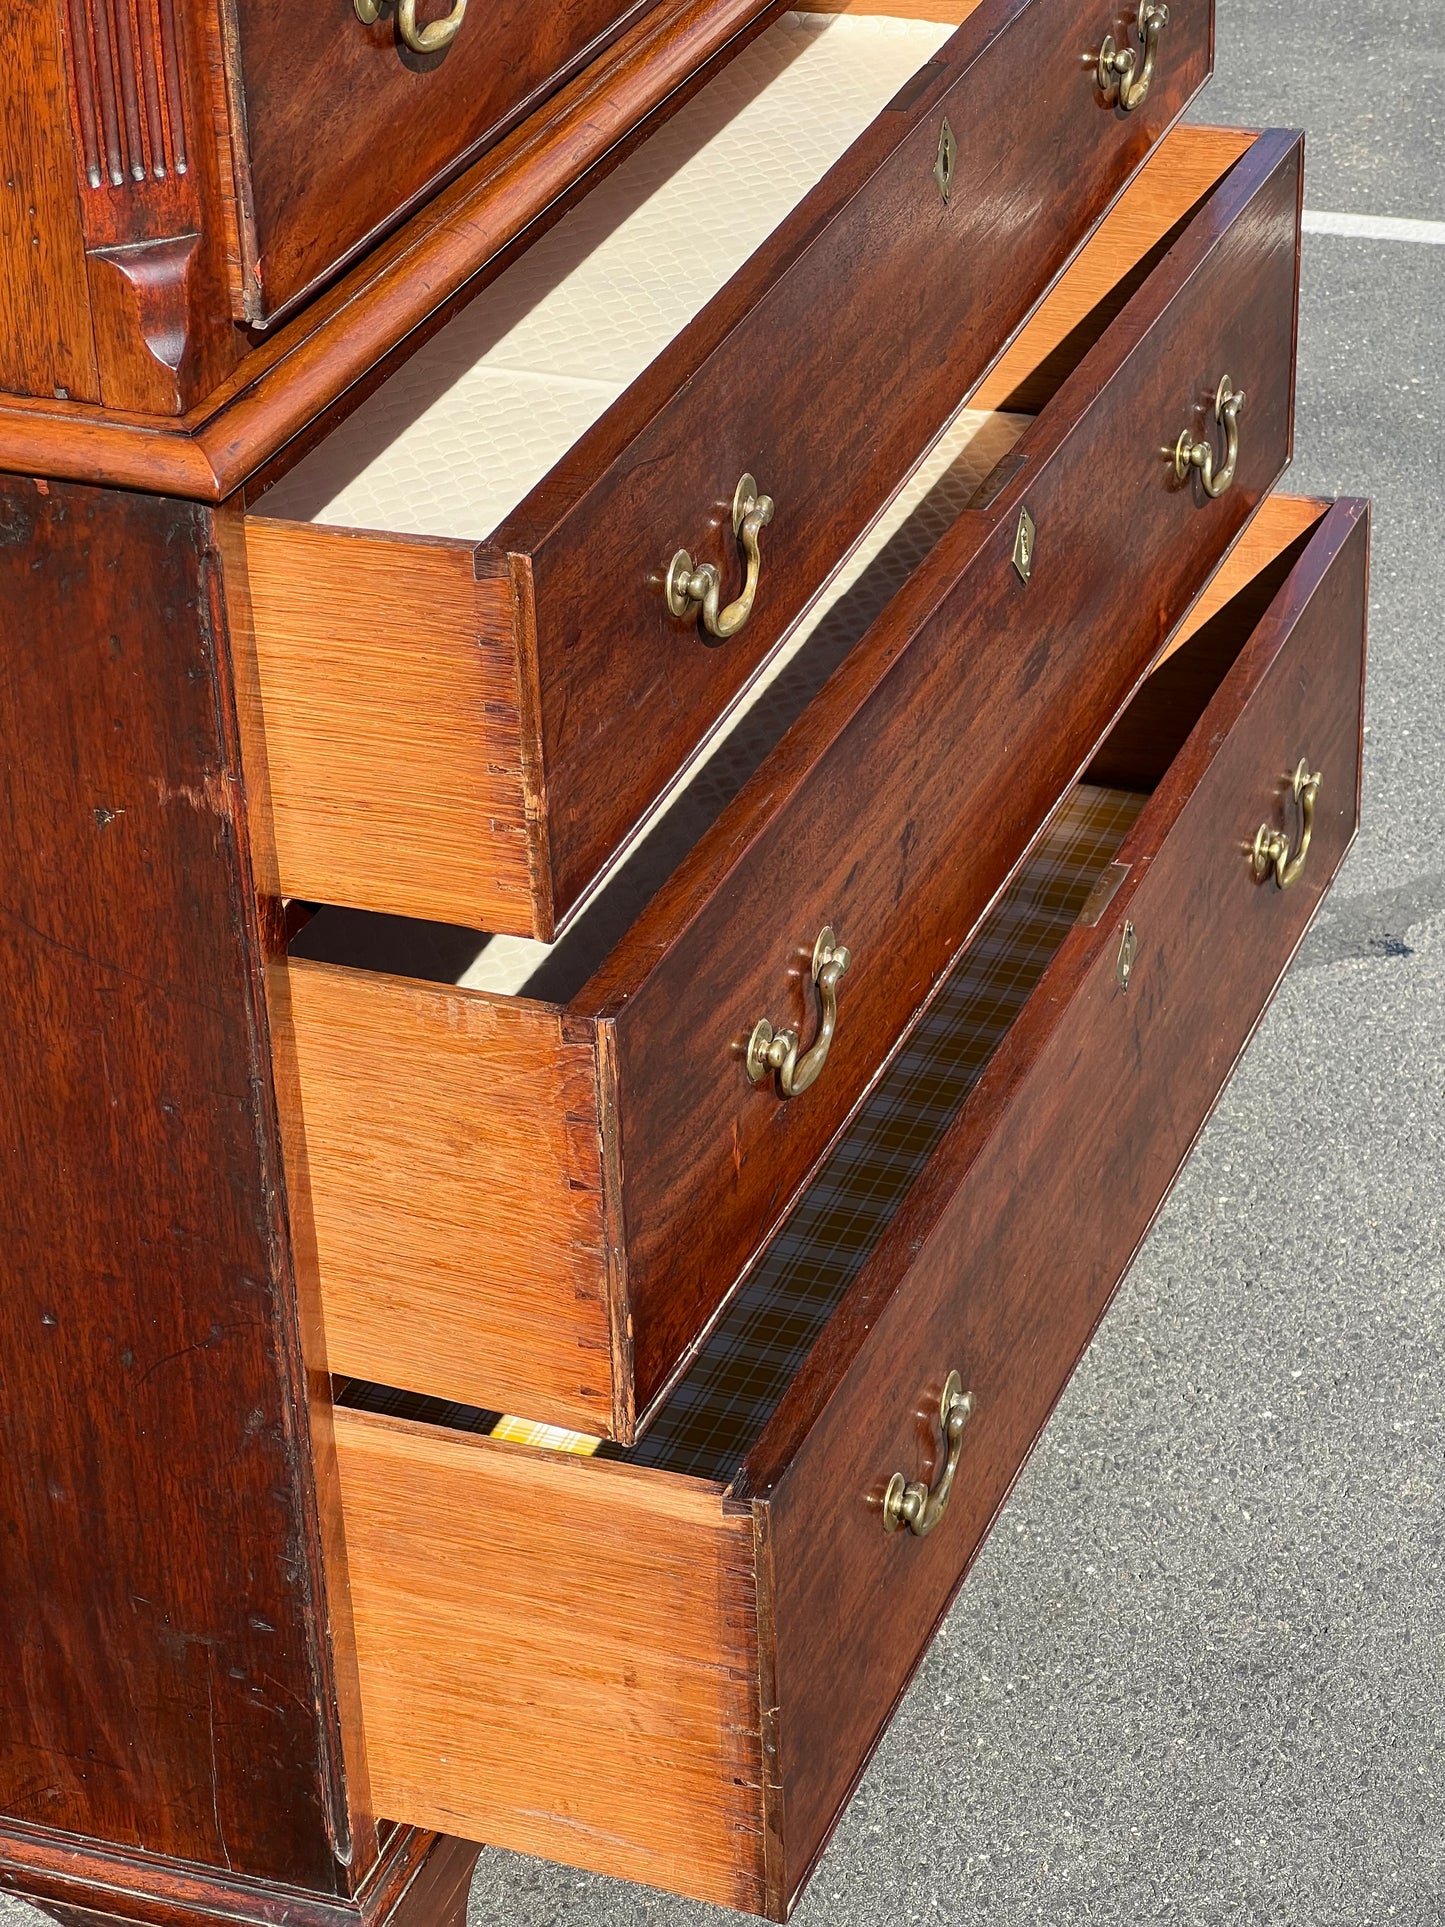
<point x="692" y="589"/>
<point x="1228" y="407"/>
<point x="1121" y="78"/>
<point x="912" y="1504"/>
<point x="429" y="39"/>
<point x="770" y="1050"/>
<point x="1271" y="847"/>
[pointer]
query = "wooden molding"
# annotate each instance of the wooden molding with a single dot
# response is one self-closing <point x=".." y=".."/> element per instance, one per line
<point x="411" y="281"/>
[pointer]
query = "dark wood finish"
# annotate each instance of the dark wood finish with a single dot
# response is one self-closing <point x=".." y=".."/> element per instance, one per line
<point x="328" y="168"/>
<point x="159" y="1646"/>
<point x="275" y="386"/>
<point x="419" y="1880"/>
<point x="46" y="346"/>
<point x="1153" y="730"/>
<point x="171" y="1663"/>
<point x="953" y="725"/>
<point x="1005" y="1256"/>
<point x="577" y="1608"/>
<point x="830" y="418"/>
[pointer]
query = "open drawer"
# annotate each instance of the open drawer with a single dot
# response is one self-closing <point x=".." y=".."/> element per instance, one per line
<point x="472" y="678"/>
<point x="534" y="1174"/>
<point x="673" y="1663"/>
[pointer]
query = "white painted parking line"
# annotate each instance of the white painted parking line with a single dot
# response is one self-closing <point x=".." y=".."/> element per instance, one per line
<point x="1375" y="227"/>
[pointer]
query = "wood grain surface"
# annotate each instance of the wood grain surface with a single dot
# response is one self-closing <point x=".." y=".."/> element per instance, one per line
<point x="955" y="10"/>
<point x="46" y="343"/>
<point x="902" y="799"/>
<point x="613" y="708"/>
<point x="555" y="1662"/>
<point x="318" y="88"/>
<point x="894" y="809"/>
<point x="418" y="1879"/>
<point x="388" y="679"/>
<point x="1182" y="169"/>
<point x="165" y="1673"/>
<point x="1007" y="1252"/>
<point x="527" y="1617"/>
<point x="456" y="1177"/>
<point x="405" y="287"/>
<point x="829" y="421"/>
<point x="1281" y="519"/>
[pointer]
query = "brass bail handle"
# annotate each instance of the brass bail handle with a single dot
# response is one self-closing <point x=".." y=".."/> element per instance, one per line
<point x="1121" y="78"/>
<point x="429" y="39"/>
<point x="777" y="1050"/>
<point x="1271" y="847"/>
<point x="1188" y="454"/>
<point x="912" y="1503"/>
<point x="692" y="590"/>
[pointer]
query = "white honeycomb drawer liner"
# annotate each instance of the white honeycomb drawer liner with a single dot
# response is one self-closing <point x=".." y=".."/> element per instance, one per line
<point x="510" y="966"/>
<point x="473" y="421"/>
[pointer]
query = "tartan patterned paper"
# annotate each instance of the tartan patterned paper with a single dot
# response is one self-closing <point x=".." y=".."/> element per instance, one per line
<point x="721" y="1405"/>
<point x="733" y="1386"/>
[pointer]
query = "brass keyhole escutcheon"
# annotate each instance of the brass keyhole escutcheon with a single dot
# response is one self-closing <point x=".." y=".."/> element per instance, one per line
<point x="1128" y="950"/>
<point x="1025" y="538"/>
<point x="944" y="165"/>
<point x="772" y="1050"/>
<point x="697" y="590"/>
<point x="1190" y="454"/>
<point x="1270" y="851"/>
<point x="1122" y="79"/>
<point x="918" y="1506"/>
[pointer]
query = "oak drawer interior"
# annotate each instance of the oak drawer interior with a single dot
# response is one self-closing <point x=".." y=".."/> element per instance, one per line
<point x="439" y="694"/>
<point x="576" y="1649"/>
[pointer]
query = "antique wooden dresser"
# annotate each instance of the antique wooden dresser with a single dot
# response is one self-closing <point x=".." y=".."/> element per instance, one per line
<point x="662" y="734"/>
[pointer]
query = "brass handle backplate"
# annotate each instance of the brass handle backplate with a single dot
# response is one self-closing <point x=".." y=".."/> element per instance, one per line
<point x="777" y="1050"/>
<point x="912" y="1503"/>
<point x="1271" y="851"/>
<point x="1189" y="454"/>
<point x="697" y="590"/>
<point x="430" y="39"/>
<point x="1121" y="78"/>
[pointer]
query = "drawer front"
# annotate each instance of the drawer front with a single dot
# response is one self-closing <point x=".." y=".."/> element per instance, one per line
<point x="824" y="369"/>
<point x="647" y="1673"/>
<point x="1004" y="1258"/>
<point x="347" y="126"/>
<point x="893" y="812"/>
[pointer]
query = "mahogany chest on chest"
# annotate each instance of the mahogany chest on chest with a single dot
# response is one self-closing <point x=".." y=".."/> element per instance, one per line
<point x="663" y="731"/>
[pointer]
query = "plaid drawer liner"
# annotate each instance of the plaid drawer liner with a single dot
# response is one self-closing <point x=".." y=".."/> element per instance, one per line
<point x="720" y="1406"/>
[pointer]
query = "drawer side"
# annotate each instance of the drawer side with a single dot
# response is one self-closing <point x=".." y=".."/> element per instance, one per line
<point x="456" y="1186"/>
<point x="391" y="708"/>
<point x="556" y="1657"/>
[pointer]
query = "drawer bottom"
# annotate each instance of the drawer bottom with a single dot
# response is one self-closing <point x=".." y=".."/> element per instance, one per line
<point x="671" y="1661"/>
